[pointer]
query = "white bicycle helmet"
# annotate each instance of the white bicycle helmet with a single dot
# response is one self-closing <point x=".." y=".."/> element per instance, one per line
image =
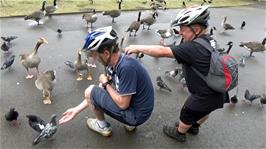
<point x="193" y="15"/>
<point x="100" y="38"/>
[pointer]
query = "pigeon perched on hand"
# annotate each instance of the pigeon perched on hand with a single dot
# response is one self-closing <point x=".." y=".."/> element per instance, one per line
<point x="250" y="97"/>
<point x="70" y="64"/>
<point x="161" y="84"/>
<point x="8" y="39"/>
<point x="45" y="130"/>
<point x="172" y="73"/>
<point x="8" y="63"/>
<point x="12" y="117"/>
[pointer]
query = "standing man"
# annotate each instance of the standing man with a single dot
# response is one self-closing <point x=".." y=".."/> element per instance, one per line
<point x="128" y="97"/>
<point x="203" y="100"/>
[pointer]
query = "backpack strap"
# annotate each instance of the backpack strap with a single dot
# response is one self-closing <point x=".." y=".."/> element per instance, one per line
<point x="206" y="45"/>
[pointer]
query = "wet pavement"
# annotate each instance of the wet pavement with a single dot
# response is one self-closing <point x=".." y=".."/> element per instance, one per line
<point x="235" y="126"/>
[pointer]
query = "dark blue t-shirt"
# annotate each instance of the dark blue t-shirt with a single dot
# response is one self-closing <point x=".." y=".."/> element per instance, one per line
<point x="131" y="78"/>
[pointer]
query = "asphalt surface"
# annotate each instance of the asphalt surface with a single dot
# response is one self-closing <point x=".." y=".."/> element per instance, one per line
<point x="235" y="126"/>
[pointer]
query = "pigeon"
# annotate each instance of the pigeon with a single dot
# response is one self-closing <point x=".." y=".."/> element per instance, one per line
<point x="8" y="39"/>
<point x="5" y="47"/>
<point x="161" y="84"/>
<point x="234" y="99"/>
<point x="69" y="64"/>
<point x="45" y="130"/>
<point x="8" y="63"/>
<point x="250" y="97"/>
<point x="12" y="116"/>
<point x="243" y="25"/>
<point x="263" y="99"/>
<point x="172" y="73"/>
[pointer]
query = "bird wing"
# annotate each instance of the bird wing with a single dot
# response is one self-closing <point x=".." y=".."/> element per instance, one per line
<point x="37" y="123"/>
<point x="50" y="74"/>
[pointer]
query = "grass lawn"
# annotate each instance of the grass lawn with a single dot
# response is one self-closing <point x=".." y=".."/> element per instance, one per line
<point x="23" y="7"/>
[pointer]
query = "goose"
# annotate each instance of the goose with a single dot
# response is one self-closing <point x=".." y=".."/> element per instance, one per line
<point x="51" y="9"/>
<point x="32" y="60"/>
<point x="254" y="46"/>
<point x="164" y="33"/>
<point x="230" y="45"/>
<point x="90" y="17"/>
<point x="134" y="26"/>
<point x="45" y="82"/>
<point x="148" y="20"/>
<point x="37" y="15"/>
<point x="226" y="26"/>
<point x="79" y="66"/>
<point x="114" y="13"/>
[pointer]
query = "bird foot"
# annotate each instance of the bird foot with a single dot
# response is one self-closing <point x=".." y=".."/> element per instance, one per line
<point x="89" y="77"/>
<point x="47" y="100"/>
<point x="29" y="76"/>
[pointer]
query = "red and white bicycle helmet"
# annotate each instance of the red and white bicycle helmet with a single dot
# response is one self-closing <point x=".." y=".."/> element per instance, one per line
<point x="192" y="15"/>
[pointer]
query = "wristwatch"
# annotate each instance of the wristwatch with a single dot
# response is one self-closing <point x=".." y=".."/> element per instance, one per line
<point x="105" y="84"/>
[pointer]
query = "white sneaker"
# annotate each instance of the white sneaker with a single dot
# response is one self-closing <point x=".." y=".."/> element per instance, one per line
<point x="93" y="125"/>
<point x="130" y="128"/>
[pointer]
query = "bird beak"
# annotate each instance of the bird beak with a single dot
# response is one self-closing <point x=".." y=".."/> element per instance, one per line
<point x="45" y="41"/>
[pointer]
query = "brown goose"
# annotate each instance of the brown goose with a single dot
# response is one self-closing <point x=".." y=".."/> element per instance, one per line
<point x="114" y="13"/>
<point x="45" y="82"/>
<point x="32" y="60"/>
<point x="37" y="15"/>
<point x="149" y="20"/>
<point x="226" y="26"/>
<point x="90" y="17"/>
<point x="79" y="66"/>
<point x="134" y="26"/>
<point x="50" y="9"/>
<point x="254" y="46"/>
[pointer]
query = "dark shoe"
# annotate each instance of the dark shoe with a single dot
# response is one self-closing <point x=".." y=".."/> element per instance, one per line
<point x="171" y="132"/>
<point x="192" y="130"/>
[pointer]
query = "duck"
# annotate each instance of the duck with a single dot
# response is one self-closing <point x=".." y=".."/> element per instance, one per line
<point x="79" y="66"/>
<point x="254" y="46"/>
<point x="32" y="60"/>
<point x="50" y="9"/>
<point x="165" y="33"/>
<point x="149" y="20"/>
<point x="226" y="26"/>
<point x="45" y="82"/>
<point x="37" y="15"/>
<point x="134" y="26"/>
<point x="90" y="17"/>
<point x="114" y="13"/>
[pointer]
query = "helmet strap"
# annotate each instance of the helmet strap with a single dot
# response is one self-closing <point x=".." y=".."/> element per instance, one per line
<point x="197" y="35"/>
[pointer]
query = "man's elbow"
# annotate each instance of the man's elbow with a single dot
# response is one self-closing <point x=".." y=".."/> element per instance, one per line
<point x="123" y="106"/>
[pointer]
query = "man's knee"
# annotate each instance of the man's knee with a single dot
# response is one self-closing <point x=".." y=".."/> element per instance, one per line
<point x="88" y="92"/>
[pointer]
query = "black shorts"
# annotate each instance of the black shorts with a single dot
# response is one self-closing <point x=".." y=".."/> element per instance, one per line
<point x="189" y="116"/>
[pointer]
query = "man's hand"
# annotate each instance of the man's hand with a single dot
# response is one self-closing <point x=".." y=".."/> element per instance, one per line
<point x="131" y="49"/>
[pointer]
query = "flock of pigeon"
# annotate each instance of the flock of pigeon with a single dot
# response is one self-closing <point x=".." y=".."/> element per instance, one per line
<point x="46" y="80"/>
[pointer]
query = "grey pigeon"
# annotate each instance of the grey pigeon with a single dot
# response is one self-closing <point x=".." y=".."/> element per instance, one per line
<point x="12" y="116"/>
<point x="8" y="39"/>
<point x="69" y="64"/>
<point x="172" y="73"/>
<point x="250" y="97"/>
<point x="45" y="130"/>
<point x="8" y="63"/>
<point x="161" y="84"/>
